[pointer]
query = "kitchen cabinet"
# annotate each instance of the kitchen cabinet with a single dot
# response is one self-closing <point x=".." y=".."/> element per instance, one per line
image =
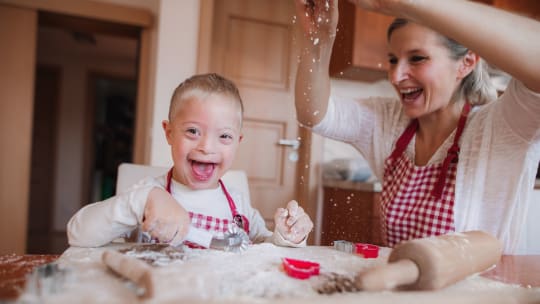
<point x="359" y="51"/>
<point x="351" y="212"/>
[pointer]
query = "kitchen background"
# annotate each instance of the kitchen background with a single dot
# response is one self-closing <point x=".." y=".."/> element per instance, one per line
<point x="86" y="110"/>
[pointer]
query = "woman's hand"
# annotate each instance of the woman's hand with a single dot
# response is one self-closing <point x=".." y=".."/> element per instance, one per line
<point x="293" y="223"/>
<point x="318" y="20"/>
<point x="164" y="218"/>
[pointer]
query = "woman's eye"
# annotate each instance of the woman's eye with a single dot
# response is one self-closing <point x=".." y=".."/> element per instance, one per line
<point x="392" y="60"/>
<point x="415" y="59"/>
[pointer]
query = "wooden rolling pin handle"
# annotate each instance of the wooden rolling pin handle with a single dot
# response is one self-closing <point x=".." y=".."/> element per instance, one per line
<point x="132" y="269"/>
<point x="387" y="277"/>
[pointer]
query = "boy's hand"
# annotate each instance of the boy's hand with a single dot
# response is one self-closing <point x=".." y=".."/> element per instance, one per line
<point x="164" y="218"/>
<point x="293" y="223"/>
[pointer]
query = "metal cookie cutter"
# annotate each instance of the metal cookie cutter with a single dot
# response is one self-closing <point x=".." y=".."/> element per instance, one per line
<point x="368" y="251"/>
<point x="234" y="239"/>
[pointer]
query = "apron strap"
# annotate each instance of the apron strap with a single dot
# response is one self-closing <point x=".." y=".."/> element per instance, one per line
<point x="452" y="154"/>
<point x="404" y="140"/>
<point x="238" y="218"/>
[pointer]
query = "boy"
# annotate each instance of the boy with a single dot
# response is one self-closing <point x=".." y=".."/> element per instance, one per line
<point x="204" y="131"/>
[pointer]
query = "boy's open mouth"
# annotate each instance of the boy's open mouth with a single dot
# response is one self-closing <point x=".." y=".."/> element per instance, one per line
<point x="202" y="171"/>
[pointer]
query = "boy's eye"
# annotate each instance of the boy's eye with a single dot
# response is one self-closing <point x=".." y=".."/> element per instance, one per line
<point x="226" y="136"/>
<point x="392" y="60"/>
<point x="192" y="131"/>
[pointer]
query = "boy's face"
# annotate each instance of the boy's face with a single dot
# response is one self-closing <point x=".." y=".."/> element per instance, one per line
<point x="204" y="135"/>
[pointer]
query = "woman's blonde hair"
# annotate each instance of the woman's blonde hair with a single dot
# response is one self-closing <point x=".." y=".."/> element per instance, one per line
<point x="476" y="87"/>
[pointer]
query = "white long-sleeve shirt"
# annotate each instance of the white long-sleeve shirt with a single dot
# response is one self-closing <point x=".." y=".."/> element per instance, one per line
<point x="500" y="152"/>
<point x="100" y="223"/>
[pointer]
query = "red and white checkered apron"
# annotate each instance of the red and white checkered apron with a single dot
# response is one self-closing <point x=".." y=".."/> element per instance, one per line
<point x="218" y="226"/>
<point x="417" y="201"/>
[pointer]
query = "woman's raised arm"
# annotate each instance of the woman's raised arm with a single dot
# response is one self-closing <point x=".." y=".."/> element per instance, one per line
<point x="506" y="40"/>
<point x="317" y="22"/>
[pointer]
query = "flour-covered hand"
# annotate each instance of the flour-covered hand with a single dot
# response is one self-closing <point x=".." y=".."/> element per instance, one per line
<point x="164" y="218"/>
<point x="317" y="19"/>
<point x="292" y="223"/>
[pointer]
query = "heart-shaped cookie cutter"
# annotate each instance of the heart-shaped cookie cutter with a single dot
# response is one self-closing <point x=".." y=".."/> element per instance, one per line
<point x="300" y="269"/>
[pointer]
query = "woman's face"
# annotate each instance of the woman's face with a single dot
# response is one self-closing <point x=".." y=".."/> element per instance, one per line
<point x="421" y="70"/>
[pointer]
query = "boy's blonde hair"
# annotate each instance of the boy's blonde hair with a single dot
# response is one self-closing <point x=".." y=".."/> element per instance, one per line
<point x="204" y="83"/>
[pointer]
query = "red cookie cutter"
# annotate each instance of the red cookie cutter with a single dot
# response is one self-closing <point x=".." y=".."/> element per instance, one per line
<point x="300" y="269"/>
<point x="369" y="251"/>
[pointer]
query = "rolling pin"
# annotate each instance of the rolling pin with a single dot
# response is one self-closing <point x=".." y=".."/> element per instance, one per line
<point x="434" y="262"/>
<point x="133" y="269"/>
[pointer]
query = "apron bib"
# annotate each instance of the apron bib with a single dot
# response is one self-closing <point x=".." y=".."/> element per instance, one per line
<point x="418" y="202"/>
<point x="211" y="223"/>
<point x="218" y="226"/>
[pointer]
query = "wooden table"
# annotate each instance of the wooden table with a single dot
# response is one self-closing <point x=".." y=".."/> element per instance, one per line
<point x="523" y="270"/>
<point x="14" y="269"/>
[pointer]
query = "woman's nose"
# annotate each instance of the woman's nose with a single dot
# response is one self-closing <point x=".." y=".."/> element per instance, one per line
<point x="398" y="73"/>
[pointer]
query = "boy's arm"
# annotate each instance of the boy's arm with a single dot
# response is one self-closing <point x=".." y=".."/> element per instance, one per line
<point x="100" y="223"/>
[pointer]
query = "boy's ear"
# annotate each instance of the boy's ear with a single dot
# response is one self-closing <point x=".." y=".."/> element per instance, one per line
<point x="240" y="138"/>
<point x="166" y="128"/>
<point x="468" y="63"/>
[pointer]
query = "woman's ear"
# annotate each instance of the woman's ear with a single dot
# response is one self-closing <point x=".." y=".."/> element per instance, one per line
<point x="468" y="63"/>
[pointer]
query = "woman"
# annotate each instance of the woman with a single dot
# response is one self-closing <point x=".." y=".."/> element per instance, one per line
<point x="451" y="155"/>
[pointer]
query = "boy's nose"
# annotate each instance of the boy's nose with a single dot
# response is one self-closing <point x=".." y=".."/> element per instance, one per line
<point x="206" y="145"/>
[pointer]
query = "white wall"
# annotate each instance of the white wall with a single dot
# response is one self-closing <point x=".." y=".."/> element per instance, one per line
<point x="178" y="31"/>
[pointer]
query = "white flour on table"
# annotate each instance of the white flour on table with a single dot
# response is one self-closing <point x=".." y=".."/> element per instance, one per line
<point x="254" y="276"/>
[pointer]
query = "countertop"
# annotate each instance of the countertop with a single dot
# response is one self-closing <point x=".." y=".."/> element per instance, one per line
<point x="515" y="279"/>
<point x="352" y="185"/>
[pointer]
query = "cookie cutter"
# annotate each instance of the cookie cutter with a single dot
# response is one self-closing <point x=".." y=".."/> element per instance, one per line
<point x="234" y="239"/>
<point x="368" y="251"/>
<point x="300" y="269"/>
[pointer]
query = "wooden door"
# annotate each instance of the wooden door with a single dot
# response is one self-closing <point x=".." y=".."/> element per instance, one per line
<point x="17" y="60"/>
<point x="252" y="44"/>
